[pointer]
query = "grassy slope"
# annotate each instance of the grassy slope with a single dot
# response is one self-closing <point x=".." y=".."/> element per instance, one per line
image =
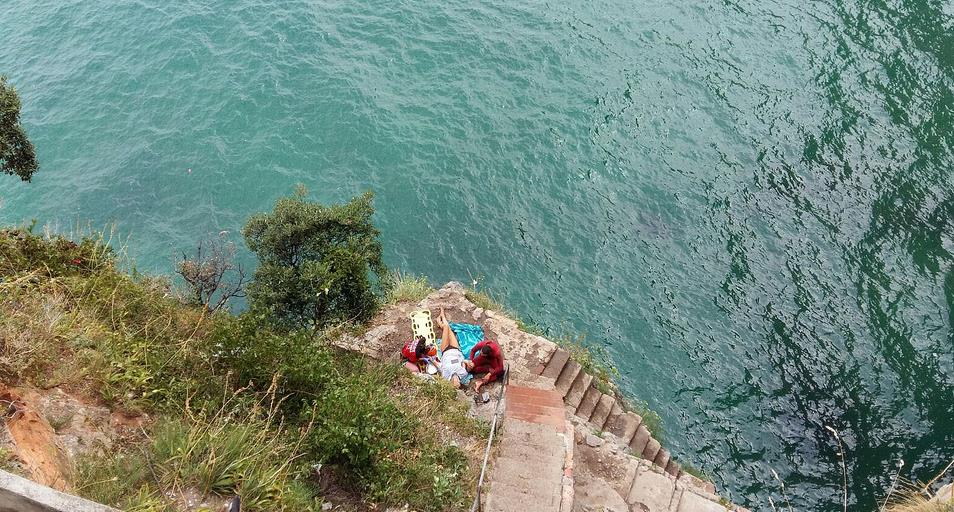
<point x="241" y="407"/>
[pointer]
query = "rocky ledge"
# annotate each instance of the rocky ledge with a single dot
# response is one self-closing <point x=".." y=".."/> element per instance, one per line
<point x="614" y="464"/>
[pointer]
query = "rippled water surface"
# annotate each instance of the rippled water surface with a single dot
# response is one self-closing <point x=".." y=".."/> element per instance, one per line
<point x="750" y="203"/>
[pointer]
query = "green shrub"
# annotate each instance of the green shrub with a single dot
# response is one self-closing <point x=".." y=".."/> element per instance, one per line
<point x="17" y="155"/>
<point x="357" y="423"/>
<point x="315" y="261"/>
<point x="252" y="352"/>
<point x="388" y="447"/>
<point x="22" y="251"/>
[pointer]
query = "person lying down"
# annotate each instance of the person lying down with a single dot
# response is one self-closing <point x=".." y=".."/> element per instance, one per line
<point x="454" y="367"/>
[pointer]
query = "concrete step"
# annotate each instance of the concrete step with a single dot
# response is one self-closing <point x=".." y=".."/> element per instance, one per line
<point x="651" y="491"/>
<point x="570" y="372"/>
<point x="616" y="410"/>
<point x="555" y="366"/>
<point x="588" y="403"/>
<point x="533" y="496"/>
<point x="692" y="502"/>
<point x="673" y="468"/>
<point x="577" y="390"/>
<point x="544" y="397"/>
<point x="602" y="411"/>
<point x="640" y="440"/>
<point x="662" y="458"/>
<point x="624" y="426"/>
<point x="536" y="414"/>
<point x="528" y="474"/>
<point x="652" y="448"/>
<point x="529" y="380"/>
<point x="529" y="451"/>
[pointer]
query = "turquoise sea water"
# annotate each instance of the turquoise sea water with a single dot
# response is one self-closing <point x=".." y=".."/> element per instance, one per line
<point x="750" y="203"/>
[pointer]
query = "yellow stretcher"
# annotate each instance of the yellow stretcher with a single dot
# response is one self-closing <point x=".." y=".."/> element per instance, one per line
<point x="422" y="325"/>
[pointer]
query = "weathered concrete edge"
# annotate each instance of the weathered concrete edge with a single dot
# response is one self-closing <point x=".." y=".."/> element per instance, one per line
<point x="18" y="494"/>
<point x="567" y="492"/>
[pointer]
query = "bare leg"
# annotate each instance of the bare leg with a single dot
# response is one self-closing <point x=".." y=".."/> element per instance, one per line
<point x="448" y="338"/>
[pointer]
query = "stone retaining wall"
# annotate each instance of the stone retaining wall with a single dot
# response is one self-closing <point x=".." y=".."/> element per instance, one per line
<point x="18" y="494"/>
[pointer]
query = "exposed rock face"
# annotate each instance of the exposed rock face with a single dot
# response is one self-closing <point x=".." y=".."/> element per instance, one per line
<point x="35" y="442"/>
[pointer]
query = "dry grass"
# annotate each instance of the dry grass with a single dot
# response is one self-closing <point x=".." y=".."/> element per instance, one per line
<point x="31" y="331"/>
<point x="251" y="454"/>
<point x="914" y="498"/>
<point x="407" y="288"/>
<point x="905" y="496"/>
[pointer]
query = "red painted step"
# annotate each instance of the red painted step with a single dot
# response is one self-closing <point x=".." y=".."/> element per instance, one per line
<point x="539" y="406"/>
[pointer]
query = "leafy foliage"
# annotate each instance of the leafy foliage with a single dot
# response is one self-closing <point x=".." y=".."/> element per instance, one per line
<point x="253" y="353"/>
<point x="23" y="251"/>
<point x="315" y="261"/>
<point x="17" y="155"/>
<point x="386" y="446"/>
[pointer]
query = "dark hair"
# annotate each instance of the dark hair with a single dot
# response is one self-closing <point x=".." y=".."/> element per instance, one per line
<point x="421" y="349"/>
<point x="487" y="351"/>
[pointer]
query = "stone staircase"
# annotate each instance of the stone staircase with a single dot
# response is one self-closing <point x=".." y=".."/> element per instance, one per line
<point x="528" y="473"/>
<point x="604" y="412"/>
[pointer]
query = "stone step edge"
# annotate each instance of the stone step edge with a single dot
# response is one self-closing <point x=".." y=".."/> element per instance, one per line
<point x="567" y="494"/>
<point x="561" y="366"/>
<point x="681" y="486"/>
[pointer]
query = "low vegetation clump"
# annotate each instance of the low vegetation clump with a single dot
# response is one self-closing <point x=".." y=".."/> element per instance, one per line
<point x="243" y="451"/>
<point x="485" y="300"/>
<point x="907" y="496"/>
<point x="259" y="405"/>
<point x="917" y="502"/>
<point x="694" y="471"/>
<point x="407" y="288"/>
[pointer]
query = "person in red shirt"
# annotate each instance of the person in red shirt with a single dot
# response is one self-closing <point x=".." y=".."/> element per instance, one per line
<point x="414" y="352"/>
<point x="486" y="358"/>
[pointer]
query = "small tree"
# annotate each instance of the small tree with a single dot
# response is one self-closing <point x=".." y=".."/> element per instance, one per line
<point x="316" y="261"/>
<point x="16" y="151"/>
<point x="211" y="273"/>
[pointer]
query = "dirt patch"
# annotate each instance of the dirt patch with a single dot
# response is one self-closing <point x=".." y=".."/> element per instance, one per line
<point x="34" y="442"/>
<point x="47" y="429"/>
<point x="335" y="487"/>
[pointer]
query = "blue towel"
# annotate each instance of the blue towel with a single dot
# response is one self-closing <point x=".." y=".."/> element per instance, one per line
<point x="468" y="335"/>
